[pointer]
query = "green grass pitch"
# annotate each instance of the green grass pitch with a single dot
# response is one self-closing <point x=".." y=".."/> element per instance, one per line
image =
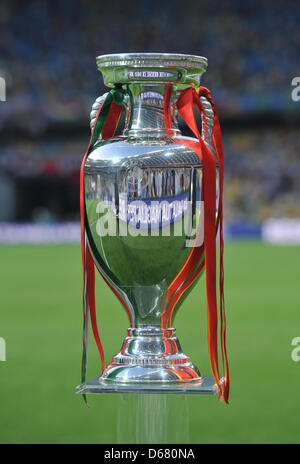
<point x="41" y="319"/>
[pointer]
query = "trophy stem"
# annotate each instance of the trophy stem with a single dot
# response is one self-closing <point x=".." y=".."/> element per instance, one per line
<point x="147" y="111"/>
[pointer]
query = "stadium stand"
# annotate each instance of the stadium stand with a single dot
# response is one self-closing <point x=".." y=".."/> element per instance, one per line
<point x="47" y="57"/>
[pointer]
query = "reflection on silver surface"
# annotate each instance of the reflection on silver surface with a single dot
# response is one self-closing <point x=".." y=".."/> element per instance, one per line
<point x="137" y="186"/>
<point x="152" y="68"/>
<point x="155" y="170"/>
<point x="123" y="172"/>
<point x="152" y="59"/>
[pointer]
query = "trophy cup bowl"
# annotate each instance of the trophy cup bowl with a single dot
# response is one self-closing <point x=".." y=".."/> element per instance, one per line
<point x="144" y="213"/>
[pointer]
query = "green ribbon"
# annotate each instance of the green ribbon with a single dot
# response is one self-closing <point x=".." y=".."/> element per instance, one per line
<point x="115" y="95"/>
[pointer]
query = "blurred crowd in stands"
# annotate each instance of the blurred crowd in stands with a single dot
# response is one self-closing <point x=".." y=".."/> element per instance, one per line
<point x="262" y="178"/>
<point x="48" y="50"/>
<point x="47" y="57"/>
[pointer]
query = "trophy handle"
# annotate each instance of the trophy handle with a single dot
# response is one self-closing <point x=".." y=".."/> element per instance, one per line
<point x="98" y="102"/>
<point x="207" y="116"/>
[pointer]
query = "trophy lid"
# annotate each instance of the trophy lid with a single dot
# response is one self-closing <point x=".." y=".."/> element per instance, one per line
<point x="124" y="68"/>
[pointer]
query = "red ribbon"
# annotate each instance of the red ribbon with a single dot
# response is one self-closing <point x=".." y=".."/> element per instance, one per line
<point x="187" y="101"/>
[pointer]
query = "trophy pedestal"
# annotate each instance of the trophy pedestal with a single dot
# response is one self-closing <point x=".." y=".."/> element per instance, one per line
<point x="205" y="386"/>
<point x="150" y="361"/>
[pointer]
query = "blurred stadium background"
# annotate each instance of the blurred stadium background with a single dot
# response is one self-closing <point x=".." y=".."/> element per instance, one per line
<point x="47" y="58"/>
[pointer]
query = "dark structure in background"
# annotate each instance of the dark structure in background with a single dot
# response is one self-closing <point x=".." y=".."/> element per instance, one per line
<point x="47" y="57"/>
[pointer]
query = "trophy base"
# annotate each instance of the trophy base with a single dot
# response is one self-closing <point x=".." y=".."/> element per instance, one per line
<point x="205" y="386"/>
<point x="150" y="361"/>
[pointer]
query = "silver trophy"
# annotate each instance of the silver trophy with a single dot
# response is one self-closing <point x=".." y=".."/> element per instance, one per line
<point x="144" y="214"/>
